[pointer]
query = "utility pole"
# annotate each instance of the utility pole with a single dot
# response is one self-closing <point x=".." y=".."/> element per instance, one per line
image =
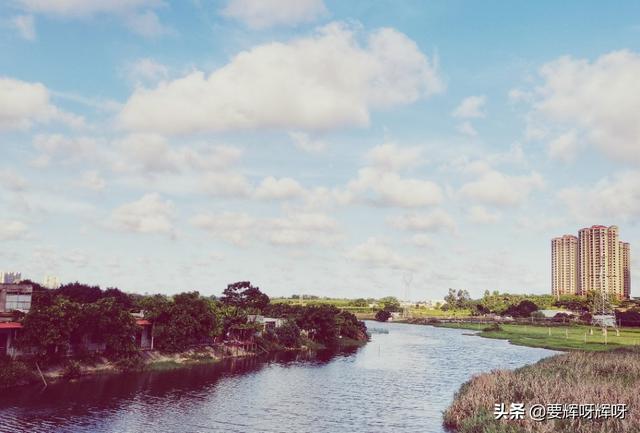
<point x="406" y="310"/>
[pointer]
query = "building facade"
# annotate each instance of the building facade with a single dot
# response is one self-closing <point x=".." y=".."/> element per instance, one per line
<point x="10" y="277"/>
<point x="51" y="282"/>
<point x="15" y="297"/>
<point x="564" y="265"/>
<point x="594" y="261"/>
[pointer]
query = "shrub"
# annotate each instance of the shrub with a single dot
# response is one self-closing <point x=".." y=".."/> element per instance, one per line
<point x="72" y="370"/>
<point x="383" y="315"/>
<point x="13" y="373"/>
<point x="494" y="327"/>
<point x="288" y="334"/>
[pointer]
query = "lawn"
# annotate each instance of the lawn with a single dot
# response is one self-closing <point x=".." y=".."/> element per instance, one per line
<point x="570" y="337"/>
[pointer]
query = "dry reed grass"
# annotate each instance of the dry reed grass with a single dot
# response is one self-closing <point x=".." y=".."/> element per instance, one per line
<point x="571" y="378"/>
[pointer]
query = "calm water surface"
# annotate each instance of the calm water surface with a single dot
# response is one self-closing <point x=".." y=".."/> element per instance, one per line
<point x="400" y="382"/>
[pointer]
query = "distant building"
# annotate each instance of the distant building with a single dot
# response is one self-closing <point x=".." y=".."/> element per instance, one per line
<point x="596" y="261"/>
<point x="564" y="265"/>
<point x="51" y="282"/>
<point x="10" y="277"/>
<point x="15" y="297"/>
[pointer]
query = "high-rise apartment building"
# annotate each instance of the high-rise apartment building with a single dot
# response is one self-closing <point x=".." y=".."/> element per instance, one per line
<point x="10" y="277"/>
<point x="596" y="260"/>
<point x="564" y="265"/>
<point x="626" y="268"/>
<point x="51" y="282"/>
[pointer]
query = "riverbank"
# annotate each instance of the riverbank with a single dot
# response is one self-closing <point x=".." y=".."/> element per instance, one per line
<point x="558" y="337"/>
<point x="611" y="377"/>
<point x="15" y="373"/>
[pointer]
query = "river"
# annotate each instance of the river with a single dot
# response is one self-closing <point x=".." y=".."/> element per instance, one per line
<point x="401" y="382"/>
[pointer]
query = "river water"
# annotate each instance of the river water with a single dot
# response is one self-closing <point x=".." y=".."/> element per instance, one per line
<point x="401" y="382"/>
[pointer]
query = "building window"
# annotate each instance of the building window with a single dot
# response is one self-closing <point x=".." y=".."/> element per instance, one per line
<point x="17" y="301"/>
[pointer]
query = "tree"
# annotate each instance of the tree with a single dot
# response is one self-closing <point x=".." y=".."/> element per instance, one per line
<point x="243" y="295"/>
<point x="183" y="321"/>
<point x="78" y="292"/>
<point x="390" y="303"/>
<point x="288" y="334"/>
<point x="523" y="309"/>
<point x="383" y="315"/>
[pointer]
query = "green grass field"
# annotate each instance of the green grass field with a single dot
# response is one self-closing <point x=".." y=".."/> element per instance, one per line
<point x="571" y="337"/>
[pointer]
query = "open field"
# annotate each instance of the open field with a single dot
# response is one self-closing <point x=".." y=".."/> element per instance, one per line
<point x="568" y="379"/>
<point x="570" y="337"/>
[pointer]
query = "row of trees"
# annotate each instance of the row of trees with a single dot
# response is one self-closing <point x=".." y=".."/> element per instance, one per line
<point x="62" y="319"/>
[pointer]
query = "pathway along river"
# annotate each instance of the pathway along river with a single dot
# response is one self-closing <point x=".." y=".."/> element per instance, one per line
<point x="401" y="382"/>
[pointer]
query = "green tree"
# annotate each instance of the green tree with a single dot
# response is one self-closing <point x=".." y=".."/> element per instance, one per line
<point x="245" y="296"/>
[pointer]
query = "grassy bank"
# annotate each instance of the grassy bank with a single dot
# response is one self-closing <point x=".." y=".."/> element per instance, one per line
<point x="569" y="337"/>
<point x="571" y="378"/>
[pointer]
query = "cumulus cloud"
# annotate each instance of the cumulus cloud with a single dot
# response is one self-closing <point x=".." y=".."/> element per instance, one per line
<point x="321" y="82"/>
<point x="301" y="229"/>
<point x="307" y="143"/>
<point x="149" y="214"/>
<point x="147" y="70"/>
<point x="259" y="14"/>
<point x="391" y="157"/>
<point x="92" y="180"/>
<point x="470" y="107"/>
<point x="564" y="147"/>
<point x="12" y="230"/>
<point x="599" y="99"/>
<point x="422" y="240"/>
<point x="481" y="215"/>
<point x="381" y="188"/>
<point x="436" y="220"/>
<point x="227" y="184"/>
<point x="375" y="253"/>
<point x="138" y="15"/>
<point x="279" y="189"/>
<point x="25" y="26"/>
<point x="499" y="189"/>
<point x="22" y="104"/>
<point x="292" y="230"/>
<point x="467" y="129"/>
<point x="58" y="147"/>
<point x="236" y="228"/>
<point x="11" y="180"/>
<point x="614" y="197"/>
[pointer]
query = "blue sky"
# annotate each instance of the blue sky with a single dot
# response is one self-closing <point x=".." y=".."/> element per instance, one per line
<point x="311" y="146"/>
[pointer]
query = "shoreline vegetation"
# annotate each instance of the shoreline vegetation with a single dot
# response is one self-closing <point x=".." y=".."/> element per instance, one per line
<point x="611" y="377"/>
<point x="79" y="330"/>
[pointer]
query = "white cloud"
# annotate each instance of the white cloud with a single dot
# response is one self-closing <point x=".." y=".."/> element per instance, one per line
<point x="614" y="197"/>
<point x="467" y="129"/>
<point x="226" y="184"/>
<point x="564" y="147"/>
<point x="306" y="142"/>
<point x="499" y="189"/>
<point x="64" y="149"/>
<point x="481" y="215"/>
<point x="279" y="189"/>
<point x="470" y="107"/>
<point x="258" y="14"/>
<point x="11" y="180"/>
<point x="321" y="82"/>
<point x="12" y="230"/>
<point x="302" y="229"/>
<point x="236" y="228"/>
<point x="375" y="253"/>
<point x="92" y="180"/>
<point x="421" y="240"/>
<point x="25" y="26"/>
<point x="390" y="189"/>
<point x="23" y="103"/>
<point x="433" y="221"/>
<point x="147" y="24"/>
<point x="149" y="214"/>
<point x="391" y="157"/>
<point x="599" y="99"/>
<point x="76" y="8"/>
<point x="147" y="70"/>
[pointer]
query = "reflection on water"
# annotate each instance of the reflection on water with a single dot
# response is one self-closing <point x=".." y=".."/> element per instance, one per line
<point x="400" y="381"/>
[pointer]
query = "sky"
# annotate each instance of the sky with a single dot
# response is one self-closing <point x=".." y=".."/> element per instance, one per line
<point x="349" y="149"/>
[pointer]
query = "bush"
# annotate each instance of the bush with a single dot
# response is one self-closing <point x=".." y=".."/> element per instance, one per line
<point x="72" y="370"/>
<point x="288" y="334"/>
<point x="130" y="362"/>
<point x="14" y="373"/>
<point x="494" y="327"/>
<point x="383" y="315"/>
